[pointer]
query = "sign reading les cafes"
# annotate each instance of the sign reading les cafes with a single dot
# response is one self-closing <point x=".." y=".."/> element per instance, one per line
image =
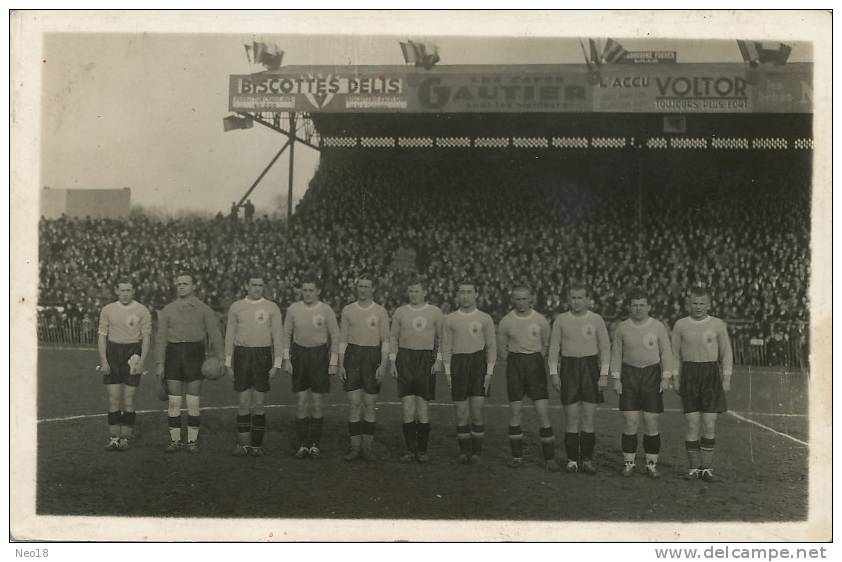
<point x="502" y="92"/>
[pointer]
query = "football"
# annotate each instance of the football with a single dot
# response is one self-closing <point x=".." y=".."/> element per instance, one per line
<point x="134" y="364"/>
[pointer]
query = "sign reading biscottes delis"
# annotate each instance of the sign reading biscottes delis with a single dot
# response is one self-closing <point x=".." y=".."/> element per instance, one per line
<point x="656" y="88"/>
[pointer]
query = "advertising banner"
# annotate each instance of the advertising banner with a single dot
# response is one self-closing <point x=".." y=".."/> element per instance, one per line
<point x="612" y="88"/>
<point x="704" y="88"/>
<point x="480" y="89"/>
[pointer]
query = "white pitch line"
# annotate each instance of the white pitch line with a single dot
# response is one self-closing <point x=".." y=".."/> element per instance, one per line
<point x="767" y="428"/>
<point x="739" y="369"/>
<point x="437" y="404"/>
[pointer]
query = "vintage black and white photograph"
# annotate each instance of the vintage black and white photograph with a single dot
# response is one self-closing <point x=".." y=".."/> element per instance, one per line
<point x="420" y="276"/>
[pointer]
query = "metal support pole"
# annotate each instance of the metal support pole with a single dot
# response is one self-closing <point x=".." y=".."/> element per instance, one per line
<point x="291" y="143"/>
<point x="260" y="121"/>
<point x="640" y="156"/>
<point x="263" y="173"/>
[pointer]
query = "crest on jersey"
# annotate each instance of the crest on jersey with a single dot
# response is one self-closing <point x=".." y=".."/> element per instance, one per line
<point x="588" y="331"/>
<point x="419" y="323"/>
<point x="534" y="331"/>
<point x="260" y="316"/>
<point x="650" y="340"/>
<point x="371" y="321"/>
<point x="709" y="337"/>
<point x="318" y="321"/>
<point x="132" y="320"/>
<point x="475" y="328"/>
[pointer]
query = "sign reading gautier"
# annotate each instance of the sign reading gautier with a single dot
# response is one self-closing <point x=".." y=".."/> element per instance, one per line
<point x="655" y="88"/>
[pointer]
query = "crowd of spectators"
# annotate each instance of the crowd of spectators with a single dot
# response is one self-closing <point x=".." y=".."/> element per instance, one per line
<point x="741" y="229"/>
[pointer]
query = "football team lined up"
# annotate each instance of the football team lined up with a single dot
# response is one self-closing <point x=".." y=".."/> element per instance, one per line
<point x="418" y="345"/>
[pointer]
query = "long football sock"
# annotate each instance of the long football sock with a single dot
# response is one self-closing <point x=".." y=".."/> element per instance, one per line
<point x="302" y="428"/>
<point x="355" y="430"/>
<point x="694" y="456"/>
<point x="127" y="421"/>
<point x="316" y="425"/>
<point x="571" y="446"/>
<point x="463" y="437"/>
<point x="652" y="447"/>
<point x="174" y="425"/>
<point x="706" y="446"/>
<point x="477" y="437"/>
<point x="587" y="442"/>
<point x="193" y="424"/>
<point x="114" y="424"/>
<point x="423" y="436"/>
<point x="243" y="429"/>
<point x="629" y="446"/>
<point x="516" y="441"/>
<point x="547" y="442"/>
<point x="258" y="429"/>
<point x="410" y="436"/>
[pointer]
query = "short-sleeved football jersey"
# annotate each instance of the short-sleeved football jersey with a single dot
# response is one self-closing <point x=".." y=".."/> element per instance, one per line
<point x="365" y="326"/>
<point x="125" y="323"/>
<point x="416" y="327"/>
<point x="310" y="326"/>
<point x="641" y="345"/>
<point x="523" y="334"/>
<point x="579" y="336"/>
<point x="702" y="341"/>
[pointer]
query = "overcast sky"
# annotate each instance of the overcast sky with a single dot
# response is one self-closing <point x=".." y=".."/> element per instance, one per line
<point x="145" y="110"/>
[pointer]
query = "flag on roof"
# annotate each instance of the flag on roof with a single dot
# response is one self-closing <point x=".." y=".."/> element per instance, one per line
<point x="613" y="51"/>
<point x="233" y="122"/>
<point x="758" y="52"/>
<point x="420" y="54"/>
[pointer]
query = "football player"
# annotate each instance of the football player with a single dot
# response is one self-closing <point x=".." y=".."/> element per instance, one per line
<point x="125" y="330"/>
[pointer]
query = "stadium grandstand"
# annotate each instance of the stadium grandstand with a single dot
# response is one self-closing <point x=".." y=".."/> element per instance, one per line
<point x="568" y="181"/>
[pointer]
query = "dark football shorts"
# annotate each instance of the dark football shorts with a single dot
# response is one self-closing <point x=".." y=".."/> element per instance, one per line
<point x="361" y="362"/>
<point x="701" y="388"/>
<point x="526" y="374"/>
<point x="414" y="376"/>
<point x="310" y="368"/>
<point x="183" y="361"/>
<point x="641" y="389"/>
<point x="251" y="368"/>
<point x="117" y="355"/>
<point x="467" y="375"/>
<point x="580" y="380"/>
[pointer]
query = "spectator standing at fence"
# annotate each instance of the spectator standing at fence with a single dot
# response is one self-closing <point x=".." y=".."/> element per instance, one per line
<point x="248" y="210"/>
<point x="253" y="355"/>
<point x="311" y="339"/>
<point x="125" y="331"/>
<point x="704" y="366"/>
<point x="183" y="327"/>
<point x="641" y="366"/>
<point x="580" y="374"/>
<point x="363" y="358"/>
<point x="469" y="351"/>
<point x="522" y="339"/>
<point x="415" y="358"/>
